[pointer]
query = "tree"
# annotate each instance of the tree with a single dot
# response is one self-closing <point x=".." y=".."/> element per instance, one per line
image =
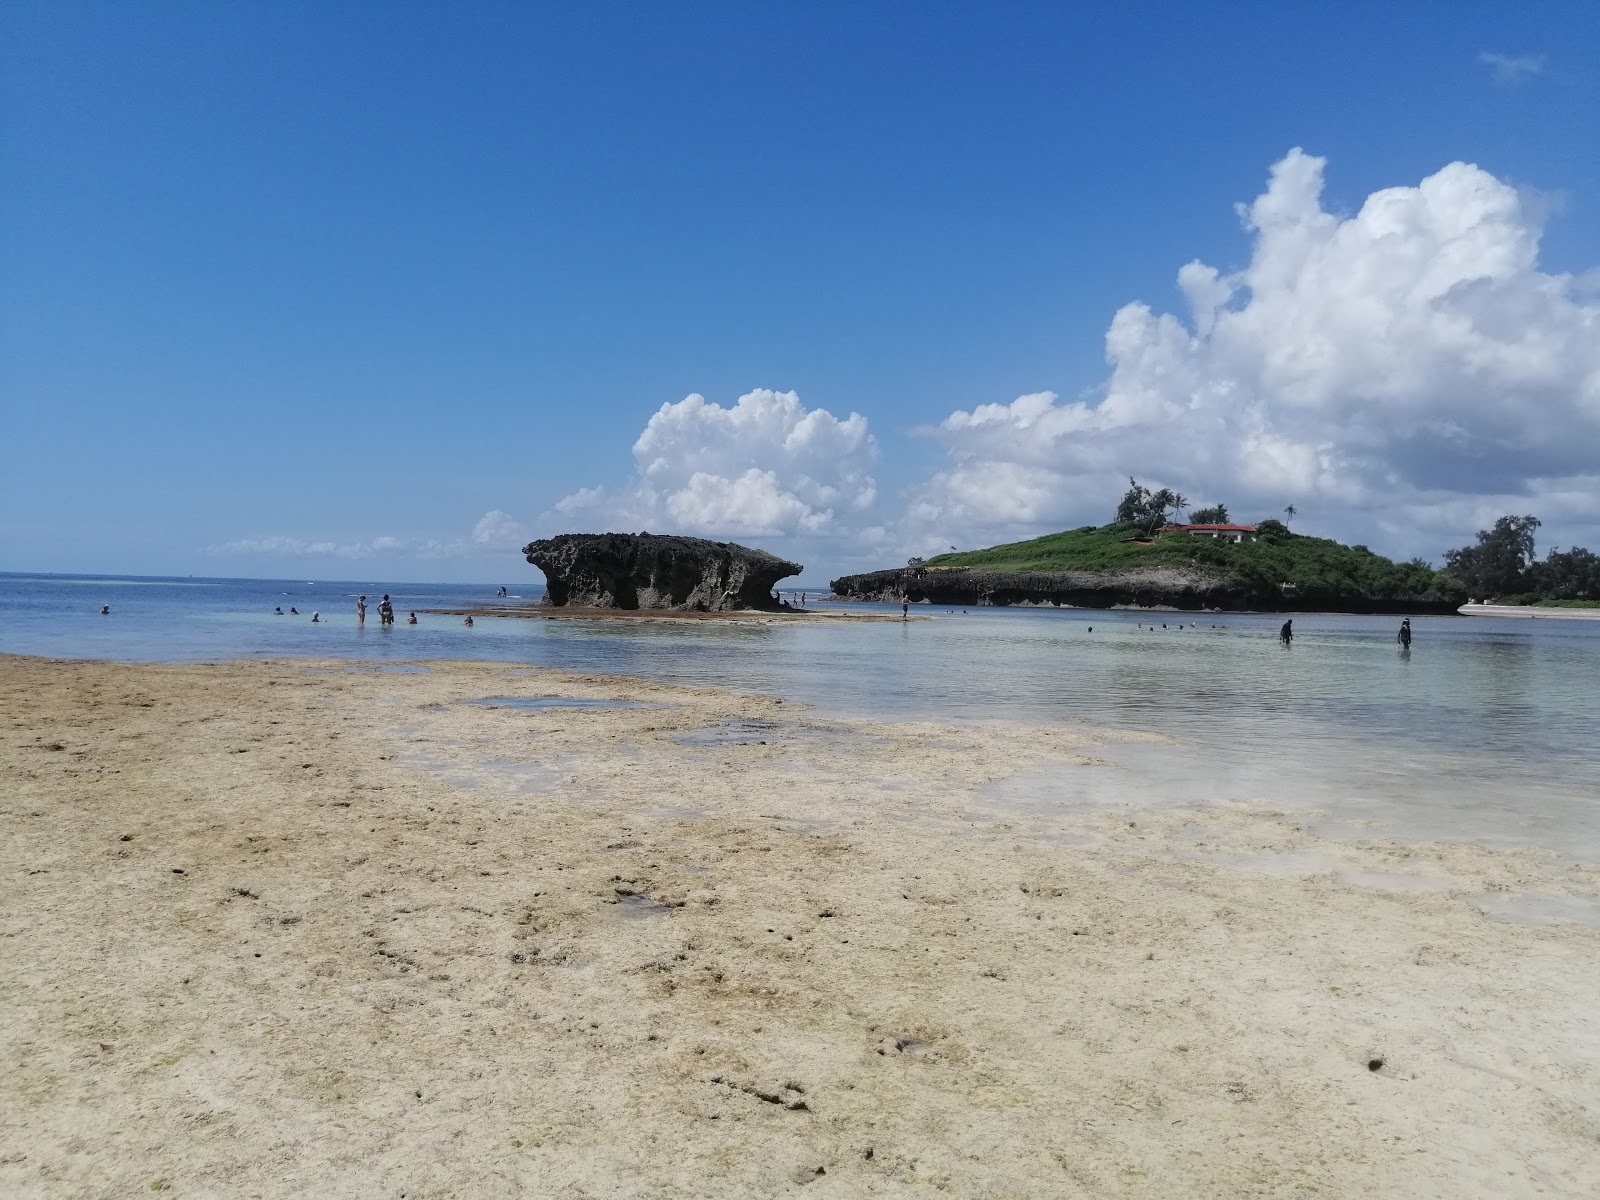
<point x="1133" y="503"/>
<point x="1179" y="503"/>
<point x="1215" y="514"/>
<point x="1290" y="511"/>
<point x="1567" y="575"/>
<point x="914" y="562"/>
<point x="1499" y="564"/>
<point x="1144" y="509"/>
<point x="1271" y="530"/>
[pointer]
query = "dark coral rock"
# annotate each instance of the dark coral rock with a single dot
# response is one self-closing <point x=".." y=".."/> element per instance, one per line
<point x="653" y="570"/>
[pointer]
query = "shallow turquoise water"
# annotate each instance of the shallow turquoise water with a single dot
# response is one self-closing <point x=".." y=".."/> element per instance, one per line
<point x="1485" y="730"/>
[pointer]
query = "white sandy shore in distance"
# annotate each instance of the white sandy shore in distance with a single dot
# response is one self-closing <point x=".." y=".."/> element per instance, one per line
<point x="280" y="929"/>
<point x="1529" y="612"/>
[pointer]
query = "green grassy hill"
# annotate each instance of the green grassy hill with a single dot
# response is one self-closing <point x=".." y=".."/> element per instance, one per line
<point x="1318" y="570"/>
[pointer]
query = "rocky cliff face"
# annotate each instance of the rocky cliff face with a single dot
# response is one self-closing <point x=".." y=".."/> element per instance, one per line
<point x="1157" y="587"/>
<point x="652" y="570"/>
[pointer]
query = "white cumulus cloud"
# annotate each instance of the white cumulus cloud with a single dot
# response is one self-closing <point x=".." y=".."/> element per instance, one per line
<point x="766" y="466"/>
<point x="498" y="530"/>
<point x="1410" y="358"/>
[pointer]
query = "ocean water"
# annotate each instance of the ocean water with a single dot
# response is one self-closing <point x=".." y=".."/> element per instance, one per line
<point x="1485" y="730"/>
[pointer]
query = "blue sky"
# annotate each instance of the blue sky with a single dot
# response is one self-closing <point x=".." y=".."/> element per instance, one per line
<point x="378" y="290"/>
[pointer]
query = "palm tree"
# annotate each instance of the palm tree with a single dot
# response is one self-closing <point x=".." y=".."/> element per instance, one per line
<point x="1179" y="503"/>
<point x="1289" y="511"/>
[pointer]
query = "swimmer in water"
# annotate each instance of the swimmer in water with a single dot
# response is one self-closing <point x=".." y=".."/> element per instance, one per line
<point x="316" y="618"/>
<point x="105" y="610"/>
<point x="278" y="611"/>
<point x="412" y="619"/>
<point x="468" y="621"/>
<point x="293" y="611"/>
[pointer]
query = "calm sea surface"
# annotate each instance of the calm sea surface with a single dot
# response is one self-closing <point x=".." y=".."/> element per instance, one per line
<point x="1486" y="730"/>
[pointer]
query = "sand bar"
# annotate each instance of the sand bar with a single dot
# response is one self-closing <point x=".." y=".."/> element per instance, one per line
<point x="1530" y="611"/>
<point x="572" y="612"/>
<point x="322" y="929"/>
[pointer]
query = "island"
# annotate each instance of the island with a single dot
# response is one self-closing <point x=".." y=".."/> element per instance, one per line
<point x="657" y="571"/>
<point x="1208" y="565"/>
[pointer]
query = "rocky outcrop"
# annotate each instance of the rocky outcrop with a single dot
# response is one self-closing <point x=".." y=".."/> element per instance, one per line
<point x="653" y="570"/>
<point x="1192" y="589"/>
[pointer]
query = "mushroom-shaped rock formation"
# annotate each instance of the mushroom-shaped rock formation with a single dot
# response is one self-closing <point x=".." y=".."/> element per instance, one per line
<point x="653" y="570"/>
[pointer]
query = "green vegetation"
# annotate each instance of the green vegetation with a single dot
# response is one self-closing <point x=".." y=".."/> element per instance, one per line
<point x="1283" y="564"/>
<point x="1315" y="570"/>
<point x="1146" y="510"/>
<point x="1545" y="602"/>
<point x="1502" y="565"/>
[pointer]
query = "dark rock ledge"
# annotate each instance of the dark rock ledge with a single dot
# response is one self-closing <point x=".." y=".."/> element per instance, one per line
<point x="653" y="570"/>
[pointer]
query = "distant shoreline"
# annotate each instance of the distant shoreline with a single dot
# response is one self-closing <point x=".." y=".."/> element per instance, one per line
<point x="1529" y="611"/>
<point x="759" y="616"/>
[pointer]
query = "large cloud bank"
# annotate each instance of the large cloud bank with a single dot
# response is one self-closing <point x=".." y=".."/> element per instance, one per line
<point x="1402" y="376"/>
<point x="766" y="467"/>
<point x="1405" y="367"/>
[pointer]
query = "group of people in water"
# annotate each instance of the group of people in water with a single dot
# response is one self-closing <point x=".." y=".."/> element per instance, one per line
<point x="385" y="612"/>
<point x="316" y="617"/>
<point x="1286" y="634"/>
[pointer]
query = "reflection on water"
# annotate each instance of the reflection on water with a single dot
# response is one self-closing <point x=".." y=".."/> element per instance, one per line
<point x="1485" y="729"/>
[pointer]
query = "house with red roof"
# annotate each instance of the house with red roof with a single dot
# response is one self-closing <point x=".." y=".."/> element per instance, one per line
<point x="1227" y="533"/>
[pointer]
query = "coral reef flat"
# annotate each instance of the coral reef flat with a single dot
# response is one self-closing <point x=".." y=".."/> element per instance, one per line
<point x="288" y="928"/>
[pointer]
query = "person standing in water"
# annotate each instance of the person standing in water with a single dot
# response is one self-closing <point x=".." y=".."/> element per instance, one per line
<point x="361" y="610"/>
<point x="905" y="606"/>
<point x="385" y="611"/>
<point x="1286" y="634"/>
<point x="1405" y="634"/>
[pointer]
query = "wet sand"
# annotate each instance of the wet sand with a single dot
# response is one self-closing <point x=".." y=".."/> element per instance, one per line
<point x="322" y="929"/>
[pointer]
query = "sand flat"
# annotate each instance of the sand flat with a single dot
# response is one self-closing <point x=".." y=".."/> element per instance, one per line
<point x="537" y="611"/>
<point x="302" y="929"/>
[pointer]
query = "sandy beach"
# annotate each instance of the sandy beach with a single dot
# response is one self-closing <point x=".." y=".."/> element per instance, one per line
<point x="1529" y="612"/>
<point x="291" y="928"/>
